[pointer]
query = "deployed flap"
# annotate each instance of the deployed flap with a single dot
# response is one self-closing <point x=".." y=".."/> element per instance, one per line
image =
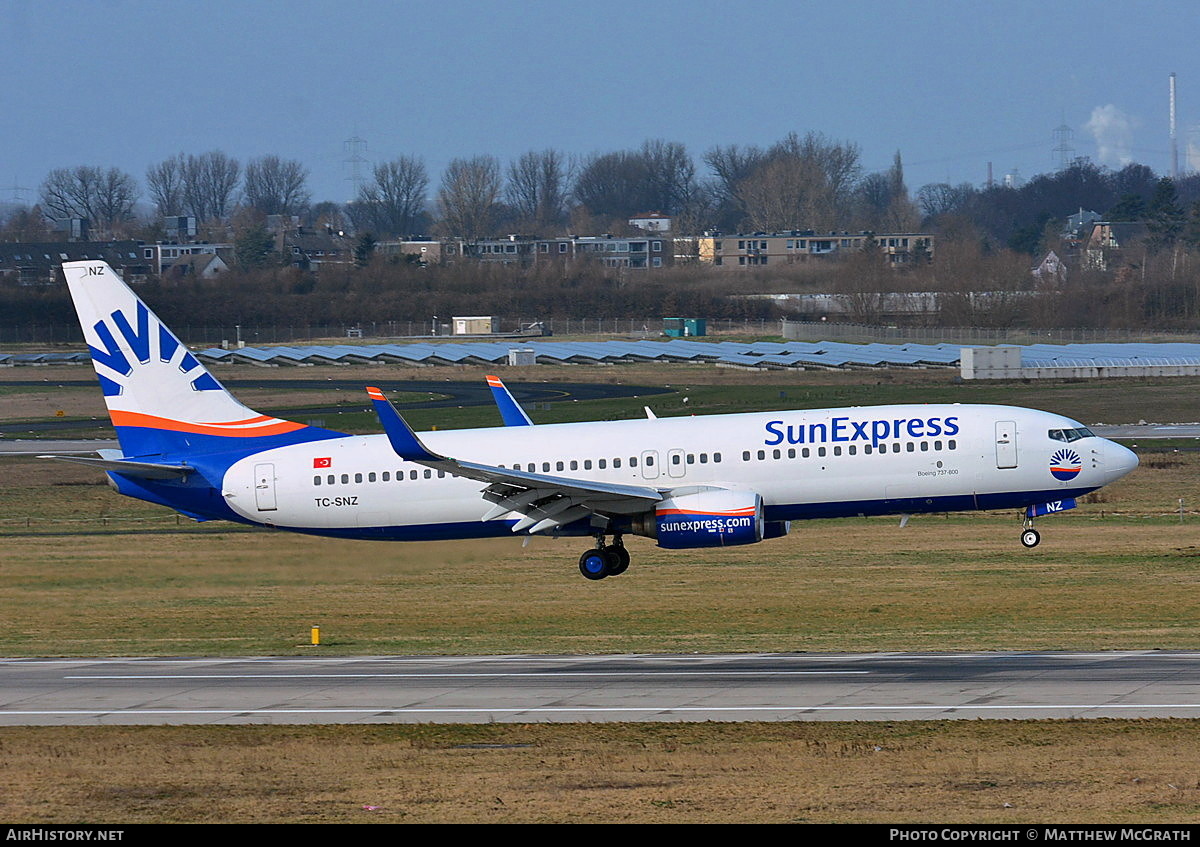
<point x="510" y="410"/>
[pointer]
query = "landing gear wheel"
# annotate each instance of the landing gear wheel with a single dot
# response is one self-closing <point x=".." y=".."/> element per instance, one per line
<point x="595" y="564"/>
<point x="620" y="559"/>
<point x="1031" y="537"/>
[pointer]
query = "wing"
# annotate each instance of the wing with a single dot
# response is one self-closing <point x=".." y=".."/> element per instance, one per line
<point x="543" y="501"/>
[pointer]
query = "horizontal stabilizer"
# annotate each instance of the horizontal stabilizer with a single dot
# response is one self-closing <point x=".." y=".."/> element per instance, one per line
<point x="142" y="470"/>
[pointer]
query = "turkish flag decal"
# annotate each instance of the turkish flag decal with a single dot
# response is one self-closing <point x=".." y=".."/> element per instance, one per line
<point x="326" y="462"/>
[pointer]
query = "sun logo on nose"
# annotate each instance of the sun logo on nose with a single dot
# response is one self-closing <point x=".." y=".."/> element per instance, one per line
<point x="1065" y="464"/>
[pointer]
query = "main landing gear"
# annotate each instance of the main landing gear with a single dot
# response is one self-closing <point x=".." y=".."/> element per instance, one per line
<point x="1029" y="536"/>
<point x="602" y="560"/>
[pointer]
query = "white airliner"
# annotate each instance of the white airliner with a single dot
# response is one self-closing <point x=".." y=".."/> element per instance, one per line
<point x="689" y="482"/>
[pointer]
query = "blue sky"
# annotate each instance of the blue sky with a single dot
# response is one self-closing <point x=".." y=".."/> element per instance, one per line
<point x="952" y="85"/>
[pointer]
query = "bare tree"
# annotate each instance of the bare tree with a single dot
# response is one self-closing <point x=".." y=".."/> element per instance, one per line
<point x="276" y="186"/>
<point x="395" y="200"/>
<point x="613" y="185"/>
<point x="210" y="181"/>
<point x="671" y="174"/>
<point x="165" y="184"/>
<point x="786" y="193"/>
<point x="941" y="198"/>
<point x="104" y="197"/>
<point x="468" y="195"/>
<point x="536" y="189"/>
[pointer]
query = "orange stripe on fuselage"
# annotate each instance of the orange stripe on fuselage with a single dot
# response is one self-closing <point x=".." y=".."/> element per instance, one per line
<point x="229" y="428"/>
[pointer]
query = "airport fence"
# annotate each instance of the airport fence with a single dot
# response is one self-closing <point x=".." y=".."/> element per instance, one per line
<point x="213" y="335"/>
<point x="863" y="333"/>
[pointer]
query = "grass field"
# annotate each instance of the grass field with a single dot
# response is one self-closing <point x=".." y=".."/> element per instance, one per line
<point x="954" y="771"/>
<point x="86" y="572"/>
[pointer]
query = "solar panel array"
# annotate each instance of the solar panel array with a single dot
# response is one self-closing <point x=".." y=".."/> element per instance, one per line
<point x="758" y="354"/>
<point x="761" y="354"/>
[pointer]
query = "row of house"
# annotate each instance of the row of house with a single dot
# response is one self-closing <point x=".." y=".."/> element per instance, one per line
<point x="181" y="256"/>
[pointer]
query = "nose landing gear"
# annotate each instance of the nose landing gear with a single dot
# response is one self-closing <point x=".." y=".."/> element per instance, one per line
<point x="604" y="560"/>
<point x="1030" y="537"/>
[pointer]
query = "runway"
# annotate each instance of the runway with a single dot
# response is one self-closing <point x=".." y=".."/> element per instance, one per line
<point x="523" y="689"/>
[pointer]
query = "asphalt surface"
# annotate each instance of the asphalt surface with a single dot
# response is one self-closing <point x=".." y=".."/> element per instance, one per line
<point x="523" y="689"/>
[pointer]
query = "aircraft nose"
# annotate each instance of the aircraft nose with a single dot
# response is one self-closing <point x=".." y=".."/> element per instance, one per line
<point x="1118" y="460"/>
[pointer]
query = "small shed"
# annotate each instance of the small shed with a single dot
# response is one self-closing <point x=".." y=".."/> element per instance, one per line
<point x="475" y="325"/>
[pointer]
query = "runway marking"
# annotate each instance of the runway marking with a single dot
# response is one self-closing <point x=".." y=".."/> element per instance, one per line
<point x="468" y="675"/>
<point x="957" y="707"/>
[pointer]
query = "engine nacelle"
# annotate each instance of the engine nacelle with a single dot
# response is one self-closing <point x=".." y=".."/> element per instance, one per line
<point x="709" y="519"/>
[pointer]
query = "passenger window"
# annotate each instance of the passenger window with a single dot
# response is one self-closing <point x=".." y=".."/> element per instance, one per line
<point x="574" y="465"/>
<point x="602" y="464"/>
<point x="428" y="473"/>
<point x="716" y="457"/>
<point x="937" y="445"/>
<point x="867" y="449"/>
<point x="820" y="451"/>
<point x="558" y="466"/>
<point x="852" y="449"/>
<point x="762" y="454"/>
<point x="358" y="477"/>
<point x="587" y="464"/>
<point x="329" y="479"/>
<point x="371" y="476"/>
<point x="837" y="451"/>
<point x="952" y="444"/>
<point x="545" y="467"/>
<point x="675" y="459"/>
<point x="704" y="458"/>
<point x="531" y="467"/>
<point x="413" y="474"/>
<point x="910" y="447"/>
<point x="387" y="476"/>
<point x="745" y="455"/>
<point x="616" y="463"/>
<point x="805" y="453"/>
<point x="441" y="474"/>
<point x="633" y="461"/>
<point x="691" y="458"/>
<point x="649" y="461"/>
<point x="791" y="452"/>
<point x="896" y="447"/>
<point x="316" y="480"/>
<point x="345" y="478"/>
<point x="924" y="446"/>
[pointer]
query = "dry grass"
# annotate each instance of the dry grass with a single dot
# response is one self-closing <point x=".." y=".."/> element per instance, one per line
<point x="953" y="771"/>
<point x="1116" y="574"/>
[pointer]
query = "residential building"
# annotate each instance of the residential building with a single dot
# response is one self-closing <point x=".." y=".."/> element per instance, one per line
<point x="761" y="249"/>
<point x="40" y="263"/>
<point x="637" y="252"/>
<point x="161" y="255"/>
<point x="652" y="222"/>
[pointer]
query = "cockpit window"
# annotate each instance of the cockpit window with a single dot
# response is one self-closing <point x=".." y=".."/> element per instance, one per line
<point x="1069" y="435"/>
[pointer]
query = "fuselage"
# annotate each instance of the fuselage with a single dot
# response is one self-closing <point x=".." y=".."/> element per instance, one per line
<point x="803" y="463"/>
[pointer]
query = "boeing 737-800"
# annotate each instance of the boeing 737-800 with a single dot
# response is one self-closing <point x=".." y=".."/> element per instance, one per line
<point x="690" y="482"/>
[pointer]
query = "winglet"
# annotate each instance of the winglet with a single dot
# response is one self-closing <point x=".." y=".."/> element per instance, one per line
<point x="403" y="440"/>
<point x="510" y="410"/>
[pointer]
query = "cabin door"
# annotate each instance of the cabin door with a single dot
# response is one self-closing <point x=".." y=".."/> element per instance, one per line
<point x="264" y="487"/>
<point x="1006" y="444"/>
